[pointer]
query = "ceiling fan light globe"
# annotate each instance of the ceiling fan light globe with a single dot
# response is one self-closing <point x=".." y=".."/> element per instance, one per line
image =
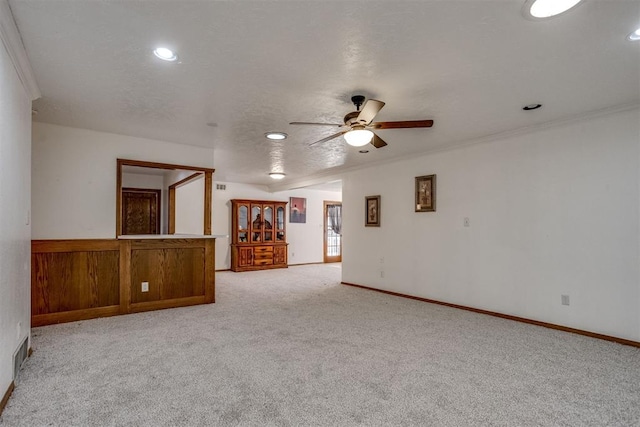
<point x="358" y="137"/>
<point x="541" y="9"/>
<point x="165" y="54"/>
<point x="634" y="36"/>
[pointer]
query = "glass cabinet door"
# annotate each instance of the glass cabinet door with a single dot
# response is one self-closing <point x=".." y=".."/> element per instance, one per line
<point x="256" y="223"/>
<point x="243" y="223"/>
<point x="280" y="223"/>
<point x="268" y="223"/>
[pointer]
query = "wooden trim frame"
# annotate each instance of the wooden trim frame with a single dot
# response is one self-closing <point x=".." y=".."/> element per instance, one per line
<point x="80" y="245"/>
<point x="171" y="229"/>
<point x="208" y="188"/>
<point x="325" y="258"/>
<point x="506" y="316"/>
<point x="186" y="180"/>
<point x="210" y="271"/>
<point x="125" y="276"/>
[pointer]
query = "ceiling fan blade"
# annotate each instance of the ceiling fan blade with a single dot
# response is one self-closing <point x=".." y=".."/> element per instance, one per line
<point x="403" y="125"/>
<point x="316" y="124"/>
<point x="369" y="111"/>
<point x="377" y="141"/>
<point x="330" y="137"/>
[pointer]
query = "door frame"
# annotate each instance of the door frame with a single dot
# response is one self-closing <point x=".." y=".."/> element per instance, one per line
<point x="326" y="258"/>
<point x="208" y="188"/>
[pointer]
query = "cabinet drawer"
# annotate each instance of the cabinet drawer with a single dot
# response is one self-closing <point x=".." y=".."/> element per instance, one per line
<point x="266" y="261"/>
<point x="263" y="255"/>
<point x="261" y="249"/>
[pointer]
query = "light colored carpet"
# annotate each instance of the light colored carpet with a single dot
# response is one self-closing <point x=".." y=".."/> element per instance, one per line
<point x="294" y="347"/>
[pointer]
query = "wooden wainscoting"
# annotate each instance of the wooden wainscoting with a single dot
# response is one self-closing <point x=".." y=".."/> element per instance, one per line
<point x="83" y="279"/>
<point x="74" y="280"/>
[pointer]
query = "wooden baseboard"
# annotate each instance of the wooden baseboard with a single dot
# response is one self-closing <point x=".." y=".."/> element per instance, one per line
<point x="506" y="316"/>
<point x="139" y="307"/>
<point x="309" y="263"/>
<point x="290" y="265"/>
<point x="73" y="316"/>
<point x="6" y="397"/>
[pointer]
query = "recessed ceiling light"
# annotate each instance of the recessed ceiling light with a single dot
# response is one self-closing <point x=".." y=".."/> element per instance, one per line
<point x="277" y="175"/>
<point x="165" y="54"/>
<point x="276" y="135"/>
<point x="635" y="36"/>
<point x="542" y="9"/>
<point x="531" y="107"/>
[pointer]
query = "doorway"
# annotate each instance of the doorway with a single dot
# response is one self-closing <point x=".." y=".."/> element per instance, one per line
<point x="332" y="231"/>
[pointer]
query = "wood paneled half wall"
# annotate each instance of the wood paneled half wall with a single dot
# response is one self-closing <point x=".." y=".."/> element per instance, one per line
<point x="84" y="279"/>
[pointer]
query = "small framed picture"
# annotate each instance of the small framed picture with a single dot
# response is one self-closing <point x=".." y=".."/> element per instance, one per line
<point x="372" y="211"/>
<point x="297" y="210"/>
<point x="426" y="193"/>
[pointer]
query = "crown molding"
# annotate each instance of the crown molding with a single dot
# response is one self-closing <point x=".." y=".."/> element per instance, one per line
<point x="12" y="41"/>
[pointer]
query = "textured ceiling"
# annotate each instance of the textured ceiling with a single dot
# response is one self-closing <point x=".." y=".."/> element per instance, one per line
<point x="254" y="66"/>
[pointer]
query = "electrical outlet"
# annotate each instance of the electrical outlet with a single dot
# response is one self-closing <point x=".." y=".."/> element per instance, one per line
<point x="564" y="299"/>
<point x="466" y="222"/>
<point x="145" y="286"/>
<point x="382" y="274"/>
<point x="382" y="260"/>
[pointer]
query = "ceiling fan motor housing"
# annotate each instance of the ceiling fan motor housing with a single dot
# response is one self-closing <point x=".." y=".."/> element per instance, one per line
<point x="357" y="100"/>
<point x="351" y="118"/>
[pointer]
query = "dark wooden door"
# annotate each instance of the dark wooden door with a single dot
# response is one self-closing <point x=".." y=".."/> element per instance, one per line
<point x="140" y="211"/>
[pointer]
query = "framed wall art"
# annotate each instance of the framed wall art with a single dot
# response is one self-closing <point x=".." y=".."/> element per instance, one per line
<point x="426" y="193"/>
<point x="372" y="211"/>
<point x="297" y="210"/>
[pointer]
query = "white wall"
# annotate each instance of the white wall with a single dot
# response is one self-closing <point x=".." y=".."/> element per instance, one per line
<point x="305" y="240"/>
<point x="190" y="207"/>
<point x="138" y="180"/>
<point x="552" y="212"/>
<point x="74" y="189"/>
<point x="74" y="177"/>
<point x="15" y="201"/>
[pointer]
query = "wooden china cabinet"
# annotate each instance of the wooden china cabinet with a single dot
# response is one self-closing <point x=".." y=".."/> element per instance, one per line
<point x="258" y="235"/>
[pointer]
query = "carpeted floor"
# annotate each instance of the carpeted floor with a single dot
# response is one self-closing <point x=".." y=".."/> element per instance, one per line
<point x="295" y="348"/>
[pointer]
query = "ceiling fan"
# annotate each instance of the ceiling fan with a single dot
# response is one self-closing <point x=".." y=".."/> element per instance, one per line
<point x="359" y="125"/>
